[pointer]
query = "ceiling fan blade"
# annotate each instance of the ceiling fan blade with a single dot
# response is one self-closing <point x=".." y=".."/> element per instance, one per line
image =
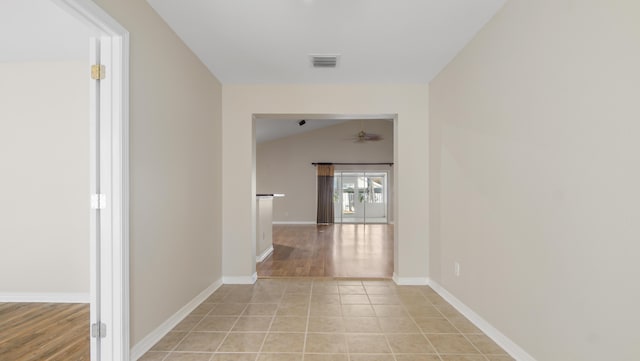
<point x="372" y="137"/>
<point x="363" y="137"/>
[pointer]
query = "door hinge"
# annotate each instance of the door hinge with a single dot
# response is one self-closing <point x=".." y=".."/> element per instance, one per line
<point x="98" y="330"/>
<point x="98" y="201"/>
<point x="98" y="72"/>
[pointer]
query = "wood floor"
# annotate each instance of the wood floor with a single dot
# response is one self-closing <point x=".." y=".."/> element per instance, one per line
<point x="44" y="332"/>
<point x="339" y="250"/>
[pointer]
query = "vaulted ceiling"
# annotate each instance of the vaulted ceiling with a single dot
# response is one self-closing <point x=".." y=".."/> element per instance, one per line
<point x="378" y="41"/>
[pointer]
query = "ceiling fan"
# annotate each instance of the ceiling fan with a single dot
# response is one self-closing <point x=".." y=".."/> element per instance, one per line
<point x="362" y="136"/>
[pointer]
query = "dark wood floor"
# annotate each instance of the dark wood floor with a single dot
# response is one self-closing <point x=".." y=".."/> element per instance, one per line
<point x="339" y="250"/>
<point x="44" y="331"/>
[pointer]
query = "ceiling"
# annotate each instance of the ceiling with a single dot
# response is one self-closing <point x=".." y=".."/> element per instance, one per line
<point x="272" y="129"/>
<point x="46" y="32"/>
<point x="275" y="126"/>
<point x="381" y="41"/>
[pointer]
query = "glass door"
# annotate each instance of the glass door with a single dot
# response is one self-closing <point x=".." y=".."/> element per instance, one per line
<point x="375" y="198"/>
<point x="360" y="197"/>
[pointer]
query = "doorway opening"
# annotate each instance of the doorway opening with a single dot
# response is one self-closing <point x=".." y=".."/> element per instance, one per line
<point x="84" y="181"/>
<point x="359" y="240"/>
<point x="44" y="152"/>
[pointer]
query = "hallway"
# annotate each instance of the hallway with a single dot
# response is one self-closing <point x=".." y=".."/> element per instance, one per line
<point x="338" y="250"/>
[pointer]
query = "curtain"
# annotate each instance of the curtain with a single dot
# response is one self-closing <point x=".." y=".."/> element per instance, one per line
<point x="325" y="194"/>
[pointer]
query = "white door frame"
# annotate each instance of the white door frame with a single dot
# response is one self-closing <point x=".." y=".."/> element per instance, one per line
<point x="111" y="42"/>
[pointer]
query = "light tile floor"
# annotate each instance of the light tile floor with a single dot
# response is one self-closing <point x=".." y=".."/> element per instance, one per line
<point x="325" y="320"/>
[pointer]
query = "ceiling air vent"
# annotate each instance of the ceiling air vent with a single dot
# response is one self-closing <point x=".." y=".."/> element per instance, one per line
<point x="324" y="61"/>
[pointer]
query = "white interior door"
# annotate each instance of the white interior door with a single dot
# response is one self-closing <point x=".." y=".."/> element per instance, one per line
<point x="103" y="272"/>
<point x="109" y="265"/>
<point x="97" y="202"/>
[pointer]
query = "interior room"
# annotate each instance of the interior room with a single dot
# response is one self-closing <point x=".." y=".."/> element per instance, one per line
<point x="514" y="191"/>
<point x="45" y="157"/>
<point x="357" y="239"/>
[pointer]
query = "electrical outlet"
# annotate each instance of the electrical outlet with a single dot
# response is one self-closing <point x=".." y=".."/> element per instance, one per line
<point x="456" y="268"/>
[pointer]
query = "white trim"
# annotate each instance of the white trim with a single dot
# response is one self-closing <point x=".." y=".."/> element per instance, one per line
<point x="240" y="280"/>
<point x="154" y="336"/>
<point x="294" y="222"/>
<point x="410" y="281"/>
<point x="498" y="337"/>
<point x="93" y="15"/>
<point x="38" y="297"/>
<point x="264" y="254"/>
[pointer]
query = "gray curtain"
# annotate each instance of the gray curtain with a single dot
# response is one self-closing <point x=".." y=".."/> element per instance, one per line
<point x="325" y="194"/>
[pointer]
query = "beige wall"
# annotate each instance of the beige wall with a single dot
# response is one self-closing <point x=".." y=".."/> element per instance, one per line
<point x="44" y="187"/>
<point x="535" y="174"/>
<point x="175" y="169"/>
<point x="409" y="102"/>
<point x="284" y="165"/>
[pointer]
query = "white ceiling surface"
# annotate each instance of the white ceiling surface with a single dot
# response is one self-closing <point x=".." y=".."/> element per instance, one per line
<point x="381" y="41"/>
<point x="39" y="30"/>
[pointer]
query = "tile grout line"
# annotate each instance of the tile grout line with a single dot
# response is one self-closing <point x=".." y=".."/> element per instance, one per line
<point x="456" y="327"/>
<point x="203" y="317"/>
<point x="186" y="334"/>
<point x="344" y="333"/>
<point x="231" y="328"/>
<point x="306" y="328"/>
<point x="270" y="325"/>
<point x="393" y="354"/>
<point x="420" y="328"/>
<point x="216" y="304"/>
<point x="193" y="327"/>
<point x="460" y="331"/>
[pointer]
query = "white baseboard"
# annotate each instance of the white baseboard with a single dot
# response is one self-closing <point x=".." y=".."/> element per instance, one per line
<point x="240" y="280"/>
<point x="293" y="222"/>
<point x="62" y="297"/>
<point x="152" y="338"/>
<point x="264" y="254"/>
<point x="410" y="281"/>
<point x="498" y="337"/>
